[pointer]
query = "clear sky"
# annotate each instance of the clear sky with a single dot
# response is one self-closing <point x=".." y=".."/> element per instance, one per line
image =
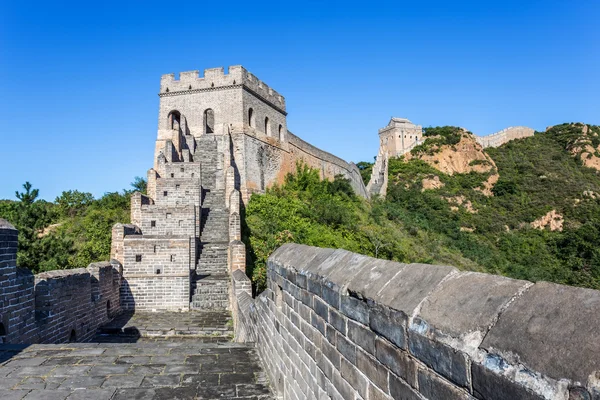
<point x="80" y="79"/>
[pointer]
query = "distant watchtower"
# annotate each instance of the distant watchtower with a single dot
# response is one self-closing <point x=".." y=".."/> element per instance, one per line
<point x="193" y="106"/>
<point x="399" y="136"/>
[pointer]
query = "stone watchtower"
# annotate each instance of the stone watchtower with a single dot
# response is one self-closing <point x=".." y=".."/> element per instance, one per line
<point x="399" y="136"/>
<point x="191" y="107"/>
<point x="221" y="137"/>
<point x="179" y="250"/>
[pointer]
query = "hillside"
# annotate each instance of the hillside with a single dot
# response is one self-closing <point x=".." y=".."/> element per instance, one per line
<point x="529" y="209"/>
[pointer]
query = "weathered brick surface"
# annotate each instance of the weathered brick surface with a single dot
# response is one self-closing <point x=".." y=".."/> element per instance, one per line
<point x="321" y="331"/>
<point x="57" y="306"/>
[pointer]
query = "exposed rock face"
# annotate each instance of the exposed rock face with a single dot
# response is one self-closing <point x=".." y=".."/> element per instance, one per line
<point x="581" y="145"/>
<point x="488" y="185"/>
<point x="461" y="201"/>
<point x="431" y="183"/>
<point x="464" y="157"/>
<point x="552" y="220"/>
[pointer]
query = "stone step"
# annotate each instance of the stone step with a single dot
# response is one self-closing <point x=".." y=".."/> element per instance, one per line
<point x="210" y="305"/>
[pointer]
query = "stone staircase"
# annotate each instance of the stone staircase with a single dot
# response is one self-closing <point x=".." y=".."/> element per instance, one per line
<point x="210" y="286"/>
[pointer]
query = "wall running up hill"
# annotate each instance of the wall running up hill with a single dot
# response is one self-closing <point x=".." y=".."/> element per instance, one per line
<point x="338" y="324"/>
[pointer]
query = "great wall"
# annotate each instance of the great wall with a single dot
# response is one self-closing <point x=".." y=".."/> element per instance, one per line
<point x="172" y="314"/>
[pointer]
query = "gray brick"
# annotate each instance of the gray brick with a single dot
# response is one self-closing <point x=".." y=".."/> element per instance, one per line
<point x="373" y="369"/>
<point x="346" y="348"/>
<point x="443" y="359"/>
<point x="362" y="336"/>
<point x="434" y="387"/>
<point x="354" y="377"/>
<point x="398" y="361"/>
<point x="490" y="386"/>
<point x="390" y="324"/>
<point x="401" y="390"/>
<point x="355" y="309"/>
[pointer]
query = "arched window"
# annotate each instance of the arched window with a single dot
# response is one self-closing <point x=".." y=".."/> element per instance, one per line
<point x="209" y="121"/>
<point x="251" y="117"/>
<point x="174" y="120"/>
<point x="2" y="330"/>
<point x="280" y="132"/>
<point x="73" y="336"/>
<point x="267" y="127"/>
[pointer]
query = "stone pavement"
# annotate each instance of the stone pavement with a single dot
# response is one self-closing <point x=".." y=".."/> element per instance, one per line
<point x="205" y="326"/>
<point x="172" y="366"/>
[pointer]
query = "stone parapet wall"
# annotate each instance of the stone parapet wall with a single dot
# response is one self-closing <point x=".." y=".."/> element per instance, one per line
<point x="345" y="326"/>
<point x="56" y="306"/>
<point x="504" y="136"/>
<point x="330" y="165"/>
<point x="262" y="162"/>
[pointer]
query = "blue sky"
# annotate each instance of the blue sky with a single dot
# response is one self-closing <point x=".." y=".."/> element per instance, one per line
<point x="80" y="81"/>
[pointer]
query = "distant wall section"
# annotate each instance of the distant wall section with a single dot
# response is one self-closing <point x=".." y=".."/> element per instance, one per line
<point x="261" y="162"/>
<point x="504" y="136"/>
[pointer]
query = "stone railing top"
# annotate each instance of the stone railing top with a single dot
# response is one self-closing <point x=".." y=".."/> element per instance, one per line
<point x="551" y="330"/>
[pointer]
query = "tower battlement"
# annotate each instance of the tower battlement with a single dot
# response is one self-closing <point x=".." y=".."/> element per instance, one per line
<point x="215" y="79"/>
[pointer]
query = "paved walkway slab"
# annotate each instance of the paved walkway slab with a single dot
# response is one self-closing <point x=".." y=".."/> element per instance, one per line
<point x="148" y="356"/>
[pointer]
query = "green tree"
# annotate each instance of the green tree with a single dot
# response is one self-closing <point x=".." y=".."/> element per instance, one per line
<point x="73" y="202"/>
<point x="139" y="184"/>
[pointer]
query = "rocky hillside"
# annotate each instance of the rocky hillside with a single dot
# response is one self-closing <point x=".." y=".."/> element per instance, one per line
<point x="454" y="150"/>
<point x="528" y="209"/>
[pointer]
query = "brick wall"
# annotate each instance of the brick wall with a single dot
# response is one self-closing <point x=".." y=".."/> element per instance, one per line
<point x="334" y="324"/>
<point x="156" y="272"/>
<point x="56" y="306"/>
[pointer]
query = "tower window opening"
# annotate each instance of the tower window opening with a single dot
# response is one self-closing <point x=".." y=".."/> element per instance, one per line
<point x="152" y="224"/>
<point x="209" y="121"/>
<point x="174" y="120"/>
<point x="138" y="258"/>
<point x="165" y="193"/>
<point x="72" y="336"/>
<point x="280" y="132"/>
<point x="267" y="127"/>
<point x="2" y="330"/>
<point x="251" y="117"/>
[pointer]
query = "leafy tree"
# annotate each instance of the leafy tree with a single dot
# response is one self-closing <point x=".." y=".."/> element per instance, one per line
<point x="73" y="202"/>
<point x="365" y="169"/>
<point x="139" y="184"/>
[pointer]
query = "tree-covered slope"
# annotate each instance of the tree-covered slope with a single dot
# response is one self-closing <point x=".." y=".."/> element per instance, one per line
<point x="449" y="217"/>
